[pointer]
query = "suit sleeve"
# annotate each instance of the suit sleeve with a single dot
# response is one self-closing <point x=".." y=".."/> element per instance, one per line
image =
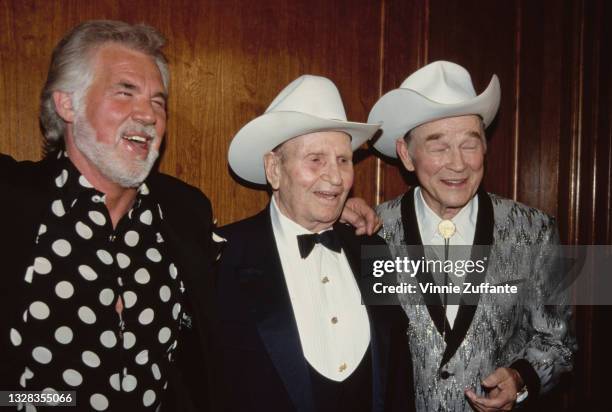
<point x="549" y="349"/>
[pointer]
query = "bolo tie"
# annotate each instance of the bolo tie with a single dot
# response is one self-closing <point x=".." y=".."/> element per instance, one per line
<point x="446" y="229"/>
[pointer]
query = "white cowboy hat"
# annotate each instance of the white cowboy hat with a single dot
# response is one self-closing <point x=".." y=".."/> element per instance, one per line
<point x="308" y="104"/>
<point x="440" y="89"/>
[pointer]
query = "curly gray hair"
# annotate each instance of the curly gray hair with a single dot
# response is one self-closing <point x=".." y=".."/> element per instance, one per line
<point x="70" y="69"/>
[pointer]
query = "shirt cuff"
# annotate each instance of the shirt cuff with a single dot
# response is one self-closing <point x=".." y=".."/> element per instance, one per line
<point x="529" y="376"/>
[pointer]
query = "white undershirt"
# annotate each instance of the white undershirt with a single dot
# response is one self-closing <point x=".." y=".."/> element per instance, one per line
<point x="332" y="323"/>
<point x="465" y="228"/>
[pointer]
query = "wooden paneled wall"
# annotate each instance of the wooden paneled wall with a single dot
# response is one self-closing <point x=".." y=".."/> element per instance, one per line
<point x="550" y="146"/>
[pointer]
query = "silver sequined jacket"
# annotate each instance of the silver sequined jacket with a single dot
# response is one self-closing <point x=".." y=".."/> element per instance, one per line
<point x="502" y="330"/>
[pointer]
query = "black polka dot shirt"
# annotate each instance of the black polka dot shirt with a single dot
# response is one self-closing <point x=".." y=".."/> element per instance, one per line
<point x="73" y="336"/>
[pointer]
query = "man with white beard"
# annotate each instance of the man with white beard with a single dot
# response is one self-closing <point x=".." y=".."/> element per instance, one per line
<point x="104" y="263"/>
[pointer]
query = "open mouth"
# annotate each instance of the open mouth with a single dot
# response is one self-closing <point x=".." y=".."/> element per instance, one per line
<point x="454" y="182"/>
<point x="325" y="195"/>
<point x="138" y="143"/>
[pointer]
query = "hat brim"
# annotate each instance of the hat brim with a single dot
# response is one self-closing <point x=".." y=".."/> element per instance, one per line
<point x="401" y="110"/>
<point x="264" y="133"/>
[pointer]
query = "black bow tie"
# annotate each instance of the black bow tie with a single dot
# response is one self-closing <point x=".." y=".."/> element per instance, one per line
<point x="329" y="239"/>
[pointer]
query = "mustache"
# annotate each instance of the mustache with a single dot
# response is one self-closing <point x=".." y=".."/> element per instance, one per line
<point x="135" y="127"/>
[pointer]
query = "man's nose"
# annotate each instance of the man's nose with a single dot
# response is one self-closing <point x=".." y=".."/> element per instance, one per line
<point x="332" y="173"/>
<point x="143" y="112"/>
<point x="455" y="160"/>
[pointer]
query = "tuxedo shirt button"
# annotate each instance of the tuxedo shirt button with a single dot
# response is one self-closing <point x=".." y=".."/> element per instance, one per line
<point x="325" y="279"/>
<point x="342" y="367"/>
<point x="334" y="320"/>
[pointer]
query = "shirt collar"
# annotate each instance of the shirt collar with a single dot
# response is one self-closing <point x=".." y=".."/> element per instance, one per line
<point x="428" y="220"/>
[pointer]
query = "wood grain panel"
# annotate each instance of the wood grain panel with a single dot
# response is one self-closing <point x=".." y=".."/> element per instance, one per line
<point x="228" y="60"/>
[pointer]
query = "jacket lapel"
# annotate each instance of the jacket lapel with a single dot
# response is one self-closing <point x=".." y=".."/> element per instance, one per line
<point x="263" y="286"/>
<point x="415" y="246"/>
<point x="483" y="237"/>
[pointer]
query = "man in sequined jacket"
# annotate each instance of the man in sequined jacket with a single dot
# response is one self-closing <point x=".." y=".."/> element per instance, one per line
<point x="105" y="264"/>
<point x="483" y="351"/>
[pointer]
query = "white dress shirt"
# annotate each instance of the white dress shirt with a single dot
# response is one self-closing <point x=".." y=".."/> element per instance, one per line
<point x="465" y="228"/>
<point x="332" y="323"/>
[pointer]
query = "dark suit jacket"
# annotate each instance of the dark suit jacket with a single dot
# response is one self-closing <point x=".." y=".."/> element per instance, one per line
<point x="261" y="366"/>
<point x="26" y="195"/>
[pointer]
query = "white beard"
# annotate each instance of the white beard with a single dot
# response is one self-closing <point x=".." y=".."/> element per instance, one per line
<point x="109" y="158"/>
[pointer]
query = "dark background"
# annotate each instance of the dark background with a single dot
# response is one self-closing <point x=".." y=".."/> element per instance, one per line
<point x="550" y="146"/>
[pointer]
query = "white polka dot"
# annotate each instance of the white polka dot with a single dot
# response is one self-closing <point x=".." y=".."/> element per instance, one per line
<point x="159" y="209"/>
<point x="129" y="340"/>
<point x="61" y="247"/>
<point x="131" y="238"/>
<point x="106" y="296"/>
<point x="173" y="271"/>
<point x="60" y="181"/>
<point x="90" y="359"/>
<point x="85" y="183"/>
<point x="87" y="272"/>
<point x="142" y="276"/>
<point x="98" y="402"/>
<point x="87" y="315"/>
<point x="120" y="281"/>
<point x="63" y="335"/>
<point x="104" y="257"/>
<point x="108" y="338"/>
<point x="42" y="265"/>
<point x="25" y="315"/>
<point x="15" y="337"/>
<point x="146" y="217"/>
<point x="164" y="293"/>
<point x="42" y="229"/>
<point x="97" y="217"/>
<point x="129" y="383"/>
<point x="115" y="382"/>
<point x="83" y="230"/>
<point x="50" y="391"/>
<point x="42" y="355"/>
<point x="57" y="207"/>
<point x="29" y="274"/>
<point x="123" y="260"/>
<point x="176" y="309"/>
<point x="142" y="357"/>
<point x="153" y="255"/>
<point x="159" y="238"/>
<point x="148" y="398"/>
<point x="156" y="371"/>
<point x="164" y="334"/>
<point x="72" y="377"/>
<point x="129" y="299"/>
<point x="39" y="310"/>
<point x="30" y="408"/>
<point x="64" y="289"/>
<point x="144" y="189"/>
<point x="146" y="316"/>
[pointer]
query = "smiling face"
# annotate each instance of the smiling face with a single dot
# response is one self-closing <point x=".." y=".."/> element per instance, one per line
<point x="447" y="156"/>
<point x="121" y="122"/>
<point x="311" y="176"/>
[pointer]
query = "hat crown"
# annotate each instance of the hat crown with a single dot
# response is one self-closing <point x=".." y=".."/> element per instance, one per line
<point x="442" y="82"/>
<point x="313" y="95"/>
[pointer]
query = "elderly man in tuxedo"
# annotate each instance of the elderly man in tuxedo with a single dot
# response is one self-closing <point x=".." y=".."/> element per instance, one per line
<point x="484" y="351"/>
<point x="293" y="334"/>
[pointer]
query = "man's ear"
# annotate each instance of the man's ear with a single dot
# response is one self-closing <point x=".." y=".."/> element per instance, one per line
<point x="63" y="106"/>
<point x="402" y="150"/>
<point x="272" y="165"/>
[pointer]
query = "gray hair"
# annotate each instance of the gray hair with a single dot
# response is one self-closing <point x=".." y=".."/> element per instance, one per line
<point x="70" y="70"/>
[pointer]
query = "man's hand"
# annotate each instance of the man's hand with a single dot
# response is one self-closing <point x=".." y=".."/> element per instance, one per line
<point x="359" y="214"/>
<point x="501" y="386"/>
